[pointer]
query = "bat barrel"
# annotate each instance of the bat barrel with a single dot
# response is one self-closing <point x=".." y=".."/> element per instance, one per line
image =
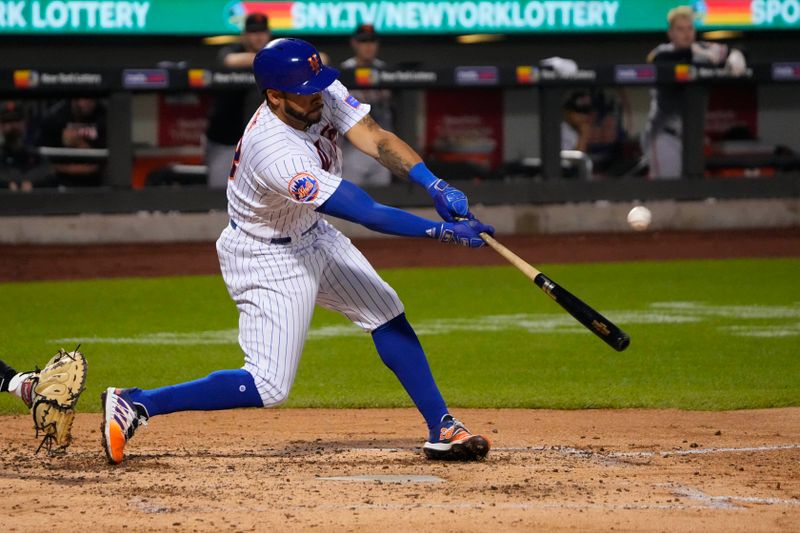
<point x="591" y="319"/>
<point x="606" y="330"/>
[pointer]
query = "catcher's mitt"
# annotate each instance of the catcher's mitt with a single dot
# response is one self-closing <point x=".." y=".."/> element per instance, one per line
<point x="51" y="394"/>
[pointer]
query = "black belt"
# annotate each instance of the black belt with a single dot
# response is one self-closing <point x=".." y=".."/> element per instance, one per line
<point x="282" y="240"/>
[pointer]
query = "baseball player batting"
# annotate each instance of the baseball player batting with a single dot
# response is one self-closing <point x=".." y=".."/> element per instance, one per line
<point x="279" y="257"/>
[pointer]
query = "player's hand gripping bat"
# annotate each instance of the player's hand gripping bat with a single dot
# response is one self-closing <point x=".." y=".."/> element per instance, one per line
<point x="591" y="319"/>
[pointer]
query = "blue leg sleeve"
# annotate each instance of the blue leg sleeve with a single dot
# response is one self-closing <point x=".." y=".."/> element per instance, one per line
<point x="401" y="351"/>
<point x="225" y="389"/>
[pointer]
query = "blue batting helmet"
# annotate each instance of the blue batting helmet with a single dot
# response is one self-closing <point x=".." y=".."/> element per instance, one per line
<point x="292" y="65"/>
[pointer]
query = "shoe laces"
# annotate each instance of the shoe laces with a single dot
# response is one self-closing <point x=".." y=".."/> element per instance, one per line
<point x="135" y="423"/>
<point x="140" y="419"/>
<point x="450" y="427"/>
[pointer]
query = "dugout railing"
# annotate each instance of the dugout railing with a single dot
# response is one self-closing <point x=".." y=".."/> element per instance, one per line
<point x="119" y="86"/>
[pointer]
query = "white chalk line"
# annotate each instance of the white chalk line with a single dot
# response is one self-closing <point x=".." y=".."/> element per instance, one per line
<point x="566" y="450"/>
<point x="149" y="508"/>
<point x="520" y="506"/>
<point x="727" y="502"/>
<point x="704" y="502"/>
<point x="540" y="323"/>
<point x="154" y="509"/>
<point x="386" y="478"/>
<point x="645" y="454"/>
<point x="707" y="500"/>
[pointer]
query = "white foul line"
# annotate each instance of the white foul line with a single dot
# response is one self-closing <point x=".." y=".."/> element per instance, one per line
<point x="699" y="451"/>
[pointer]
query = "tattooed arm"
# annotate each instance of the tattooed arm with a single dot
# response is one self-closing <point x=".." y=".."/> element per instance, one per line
<point x="403" y="161"/>
<point x="389" y="149"/>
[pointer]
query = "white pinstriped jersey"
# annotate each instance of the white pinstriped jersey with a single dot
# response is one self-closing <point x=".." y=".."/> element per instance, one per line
<point x="281" y="174"/>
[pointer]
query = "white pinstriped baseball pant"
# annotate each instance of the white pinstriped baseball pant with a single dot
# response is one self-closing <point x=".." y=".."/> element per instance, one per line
<point x="275" y="287"/>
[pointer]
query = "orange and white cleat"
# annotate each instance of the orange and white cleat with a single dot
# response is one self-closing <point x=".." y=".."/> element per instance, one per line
<point x="121" y="417"/>
<point x="452" y="441"/>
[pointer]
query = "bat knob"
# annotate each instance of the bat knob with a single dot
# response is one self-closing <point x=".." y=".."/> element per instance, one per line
<point x="622" y="342"/>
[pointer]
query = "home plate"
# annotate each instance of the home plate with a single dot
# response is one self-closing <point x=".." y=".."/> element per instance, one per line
<point x="387" y="479"/>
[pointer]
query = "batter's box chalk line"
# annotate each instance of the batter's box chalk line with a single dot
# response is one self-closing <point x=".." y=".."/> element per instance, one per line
<point x="588" y="452"/>
<point x="386" y="478"/>
<point x="585" y="452"/>
<point x="725" y="502"/>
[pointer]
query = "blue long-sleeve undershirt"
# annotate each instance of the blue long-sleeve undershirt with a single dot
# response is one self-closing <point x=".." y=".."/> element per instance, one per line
<point x="352" y="203"/>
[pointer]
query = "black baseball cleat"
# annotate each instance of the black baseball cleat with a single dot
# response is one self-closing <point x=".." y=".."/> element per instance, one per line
<point x="451" y="441"/>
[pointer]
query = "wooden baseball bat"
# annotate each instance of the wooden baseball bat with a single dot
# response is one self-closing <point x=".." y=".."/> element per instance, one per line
<point x="591" y="319"/>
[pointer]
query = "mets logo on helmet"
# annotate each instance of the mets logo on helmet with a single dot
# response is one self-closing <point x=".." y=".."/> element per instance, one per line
<point x="304" y="187"/>
<point x="314" y="62"/>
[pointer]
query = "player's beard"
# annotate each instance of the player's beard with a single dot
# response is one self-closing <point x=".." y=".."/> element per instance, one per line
<point x="312" y="117"/>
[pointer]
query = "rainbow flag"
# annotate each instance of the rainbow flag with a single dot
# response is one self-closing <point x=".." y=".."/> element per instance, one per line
<point x="728" y="13"/>
<point x="279" y="13"/>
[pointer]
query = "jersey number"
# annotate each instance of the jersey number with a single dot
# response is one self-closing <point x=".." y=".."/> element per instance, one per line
<point x="329" y="133"/>
<point x="323" y="157"/>
<point x="236" y="156"/>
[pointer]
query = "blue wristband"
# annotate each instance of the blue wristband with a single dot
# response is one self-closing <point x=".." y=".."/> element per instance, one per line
<point x="421" y="175"/>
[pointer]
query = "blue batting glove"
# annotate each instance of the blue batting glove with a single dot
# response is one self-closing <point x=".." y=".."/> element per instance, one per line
<point x="464" y="233"/>
<point x="450" y="203"/>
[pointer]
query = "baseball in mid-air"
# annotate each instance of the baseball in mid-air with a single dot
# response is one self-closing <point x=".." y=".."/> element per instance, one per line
<point x="639" y="218"/>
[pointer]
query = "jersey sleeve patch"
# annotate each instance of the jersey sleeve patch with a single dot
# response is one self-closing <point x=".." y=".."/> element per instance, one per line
<point x="304" y="187"/>
<point x="352" y="102"/>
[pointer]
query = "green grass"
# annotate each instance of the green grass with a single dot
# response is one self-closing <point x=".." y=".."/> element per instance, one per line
<point x="698" y="364"/>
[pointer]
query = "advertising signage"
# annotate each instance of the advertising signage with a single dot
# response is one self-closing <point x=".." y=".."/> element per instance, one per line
<point x="211" y="17"/>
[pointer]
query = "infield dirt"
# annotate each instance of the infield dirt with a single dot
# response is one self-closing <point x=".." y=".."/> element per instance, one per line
<point x="265" y="470"/>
